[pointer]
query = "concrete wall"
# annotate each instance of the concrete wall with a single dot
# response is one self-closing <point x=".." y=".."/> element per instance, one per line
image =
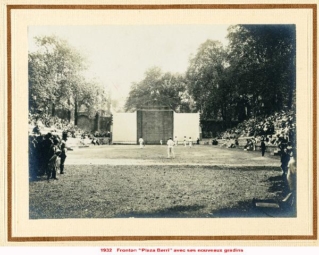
<point x="186" y="124"/>
<point x="85" y="123"/>
<point x="97" y="123"/>
<point x="124" y="128"/>
<point x="154" y="125"/>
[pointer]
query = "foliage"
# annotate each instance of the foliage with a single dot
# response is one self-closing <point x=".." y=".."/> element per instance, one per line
<point x="159" y="88"/>
<point x="206" y="79"/>
<point x="263" y="66"/>
<point x="56" y="79"/>
<point x="254" y="75"/>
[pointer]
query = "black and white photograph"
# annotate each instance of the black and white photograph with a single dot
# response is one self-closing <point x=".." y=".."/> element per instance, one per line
<point x="157" y="125"/>
<point x="162" y="121"/>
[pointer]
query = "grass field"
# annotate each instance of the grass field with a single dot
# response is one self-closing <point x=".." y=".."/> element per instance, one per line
<point x="125" y="181"/>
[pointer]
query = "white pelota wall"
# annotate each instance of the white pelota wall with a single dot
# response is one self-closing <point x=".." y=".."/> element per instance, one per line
<point x="186" y="124"/>
<point x="124" y="128"/>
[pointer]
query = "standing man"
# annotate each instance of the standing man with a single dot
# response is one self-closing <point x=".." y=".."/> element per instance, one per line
<point x="170" y="148"/>
<point x="190" y="142"/>
<point x="63" y="151"/>
<point x="141" y="141"/>
<point x="185" y="142"/>
<point x="176" y="140"/>
<point x="263" y="147"/>
<point x="45" y="145"/>
<point x="52" y="164"/>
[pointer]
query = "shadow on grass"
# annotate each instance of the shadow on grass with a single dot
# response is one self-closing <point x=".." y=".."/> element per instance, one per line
<point x="170" y="212"/>
<point x="248" y="209"/>
<point x="277" y="184"/>
<point x="244" y="209"/>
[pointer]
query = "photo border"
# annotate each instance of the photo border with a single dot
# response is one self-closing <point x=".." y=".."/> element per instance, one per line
<point x="11" y="238"/>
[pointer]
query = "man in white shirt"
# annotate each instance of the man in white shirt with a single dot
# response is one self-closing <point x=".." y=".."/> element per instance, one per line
<point x="176" y="140"/>
<point x="170" y="148"/>
<point x="185" y="142"/>
<point x="141" y="141"/>
<point x="190" y="142"/>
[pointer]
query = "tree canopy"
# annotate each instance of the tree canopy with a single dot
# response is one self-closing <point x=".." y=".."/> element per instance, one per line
<point x="263" y="66"/>
<point x="56" y="79"/>
<point x="206" y="78"/>
<point x="166" y="88"/>
<point x="253" y="75"/>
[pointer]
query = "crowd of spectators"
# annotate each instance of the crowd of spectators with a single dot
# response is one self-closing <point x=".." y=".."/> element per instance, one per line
<point x="48" y="121"/>
<point x="47" y="143"/>
<point x="47" y="154"/>
<point x="273" y="129"/>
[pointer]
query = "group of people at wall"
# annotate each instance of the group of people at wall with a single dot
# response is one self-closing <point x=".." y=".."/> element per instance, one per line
<point x="171" y="143"/>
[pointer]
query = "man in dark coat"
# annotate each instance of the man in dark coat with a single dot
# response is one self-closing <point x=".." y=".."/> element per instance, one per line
<point x="63" y="151"/>
<point x="52" y="164"/>
<point x="263" y="147"/>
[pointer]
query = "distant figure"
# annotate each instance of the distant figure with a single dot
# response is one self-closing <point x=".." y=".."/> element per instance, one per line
<point x="161" y="142"/>
<point x="185" y="142"/>
<point x="292" y="171"/>
<point x="63" y="154"/>
<point x="141" y="141"/>
<point x="52" y="165"/>
<point x="95" y="141"/>
<point x="263" y="148"/>
<point x="197" y="142"/>
<point x="284" y="159"/>
<point x="214" y="141"/>
<point x="190" y="142"/>
<point x="254" y="143"/>
<point x="36" y="130"/>
<point x="176" y="140"/>
<point x="170" y="148"/>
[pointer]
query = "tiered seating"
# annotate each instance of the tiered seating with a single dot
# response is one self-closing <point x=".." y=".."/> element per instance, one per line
<point x="273" y="129"/>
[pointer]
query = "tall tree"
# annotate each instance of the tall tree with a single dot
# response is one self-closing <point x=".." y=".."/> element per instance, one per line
<point x="56" y="79"/>
<point x="53" y="69"/>
<point x="168" y="89"/>
<point x="262" y="59"/>
<point x="206" y="80"/>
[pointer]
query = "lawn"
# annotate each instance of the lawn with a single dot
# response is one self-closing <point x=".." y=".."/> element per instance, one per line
<point x="125" y="181"/>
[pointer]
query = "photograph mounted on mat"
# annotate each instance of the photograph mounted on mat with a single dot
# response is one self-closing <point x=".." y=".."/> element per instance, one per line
<point x="187" y="118"/>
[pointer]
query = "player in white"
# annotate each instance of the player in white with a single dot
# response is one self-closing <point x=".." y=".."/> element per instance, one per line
<point x="190" y="142"/>
<point x="141" y="141"/>
<point x="170" y="148"/>
<point x="176" y="140"/>
<point x="185" y="142"/>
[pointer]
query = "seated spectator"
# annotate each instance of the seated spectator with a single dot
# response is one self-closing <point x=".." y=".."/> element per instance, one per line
<point x="231" y="144"/>
<point x="214" y="141"/>
<point x="36" y="130"/>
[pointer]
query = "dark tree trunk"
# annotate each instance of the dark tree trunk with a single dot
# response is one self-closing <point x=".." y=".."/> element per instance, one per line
<point x="53" y="109"/>
<point x="69" y="111"/>
<point x="97" y="122"/>
<point x="75" y="113"/>
<point x="291" y="93"/>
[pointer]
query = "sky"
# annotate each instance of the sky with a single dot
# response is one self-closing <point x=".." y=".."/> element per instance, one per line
<point x="120" y="55"/>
